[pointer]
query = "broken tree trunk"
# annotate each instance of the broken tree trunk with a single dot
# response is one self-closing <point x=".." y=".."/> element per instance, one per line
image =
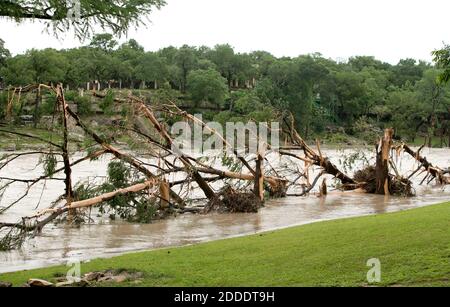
<point x="121" y="156"/>
<point x="317" y="158"/>
<point x="209" y="193"/>
<point x="277" y="185"/>
<point x="323" y="188"/>
<point x="65" y="147"/>
<point x="108" y="196"/>
<point x="61" y="102"/>
<point x="54" y="213"/>
<point x="164" y="191"/>
<point x="213" y="131"/>
<point x="36" y="107"/>
<point x="382" y="167"/>
<point x="259" y="177"/>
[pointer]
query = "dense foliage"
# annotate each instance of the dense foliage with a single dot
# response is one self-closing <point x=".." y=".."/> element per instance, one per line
<point x="358" y="97"/>
<point x="442" y="58"/>
<point x="82" y="16"/>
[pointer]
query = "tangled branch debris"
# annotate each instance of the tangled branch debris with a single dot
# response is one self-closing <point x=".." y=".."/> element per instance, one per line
<point x="175" y="182"/>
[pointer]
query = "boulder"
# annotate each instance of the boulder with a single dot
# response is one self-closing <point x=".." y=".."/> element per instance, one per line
<point x="5" y="284"/>
<point x="120" y="278"/>
<point x="106" y="279"/>
<point x="94" y="276"/>
<point x="67" y="284"/>
<point x="39" y="283"/>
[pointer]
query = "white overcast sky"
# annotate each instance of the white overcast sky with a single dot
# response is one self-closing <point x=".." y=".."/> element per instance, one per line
<point x="387" y="29"/>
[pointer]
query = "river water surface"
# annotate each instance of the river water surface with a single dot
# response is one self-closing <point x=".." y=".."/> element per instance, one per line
<point x="107" y="238"/>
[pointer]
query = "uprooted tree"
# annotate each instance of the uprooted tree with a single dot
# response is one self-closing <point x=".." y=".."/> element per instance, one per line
<point x="163" y="180"/>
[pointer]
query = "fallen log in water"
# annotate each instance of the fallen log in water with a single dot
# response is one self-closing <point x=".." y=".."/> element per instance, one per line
<point x="244" y="183"/>
<point x="311" y="156"/>
<point x="121" y="156"/>
<point x="433" y="171"/>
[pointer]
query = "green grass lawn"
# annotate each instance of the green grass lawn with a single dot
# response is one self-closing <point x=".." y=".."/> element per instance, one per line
<point x="413" y="247"/>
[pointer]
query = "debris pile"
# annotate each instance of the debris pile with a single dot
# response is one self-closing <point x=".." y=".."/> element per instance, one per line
<point x="232" y="201"/>
<point x="150" y="188"/>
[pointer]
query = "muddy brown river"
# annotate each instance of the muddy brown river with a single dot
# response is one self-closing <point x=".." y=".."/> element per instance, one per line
<point x="106" y="238"/>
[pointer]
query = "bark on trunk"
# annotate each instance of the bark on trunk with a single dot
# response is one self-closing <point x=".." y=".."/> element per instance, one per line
<point x="121" y="156"/>
<point x="430" y="168"/>
<point x="259" y="178"/>
<point x="383" y="158"/>
<point x="108" y="196"/>
<point x="36" y="106"/>
<point x="209" y="193"/>
<point x="164" y="190"/>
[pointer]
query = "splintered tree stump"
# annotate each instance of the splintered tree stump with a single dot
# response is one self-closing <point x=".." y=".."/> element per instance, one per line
<point x="323" y="188"/>
<point x="164" y="190"/>
<point x="382" y="167"/>
<point x="259" y="178"/>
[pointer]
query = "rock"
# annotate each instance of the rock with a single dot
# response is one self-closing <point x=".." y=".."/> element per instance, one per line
<point x="120" y="278"/>
<point x="112" y="276"/>
<point x="93" y="276"/>
<point x="10" y="148"/>
<point x="39" y="283"/>
<point x="60" y="279"/>
<point x="79" y="284"/>
<point x="26" y="118"/>
<point x="106" y="279"/>
<point x="5" y="284"/>
<point x="82" y="283"/>
<point x="64" y="284"/>
<point x="138" y="275"/>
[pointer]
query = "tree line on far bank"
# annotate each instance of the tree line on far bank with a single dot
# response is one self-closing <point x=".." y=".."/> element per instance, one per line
<point x="358" y="97"/>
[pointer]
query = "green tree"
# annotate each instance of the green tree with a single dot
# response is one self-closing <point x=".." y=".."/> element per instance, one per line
<point x="359" y="63"/>
<point x="224" y="58"/>
<point x="442" y="59"/>
<point x="404" y="112"/>
<point x="349" y="92"/>
<point x="80" y="67"/>
<point x="92" y="64"/>
<point x="4" y="55"/>
<point x="48" y="65"/>
<point x="186" y="60"/>
<point x="36" y="66"/>
<point x="295" y="82"/>
<point x="261" y="61"/>
<point x="82" y="16"/>
<point x="126" y="61"/>
<point x="408" y="71"/>
<point x="151" y="68"/>
<point x="105" y="42"/>
<point x="207" y="86"/>
<point x="18" y="71"/>
<point x="434" y="97"/>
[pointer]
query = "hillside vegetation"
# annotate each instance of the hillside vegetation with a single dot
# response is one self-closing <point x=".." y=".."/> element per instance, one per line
<point x="330" y="100"/>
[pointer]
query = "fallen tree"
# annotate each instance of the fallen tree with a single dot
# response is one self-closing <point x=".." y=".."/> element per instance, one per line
<point x="167" y="184"/>
<point x="434" y="172"/>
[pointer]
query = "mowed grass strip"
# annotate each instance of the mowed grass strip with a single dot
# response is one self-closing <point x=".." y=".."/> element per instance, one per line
<point x="413" y="247"/>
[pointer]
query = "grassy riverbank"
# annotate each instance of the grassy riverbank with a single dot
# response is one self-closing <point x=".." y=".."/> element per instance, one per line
<point x="413" y="247"/>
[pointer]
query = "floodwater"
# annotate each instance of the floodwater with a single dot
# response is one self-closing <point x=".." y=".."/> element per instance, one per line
<point x="105" y="238"/>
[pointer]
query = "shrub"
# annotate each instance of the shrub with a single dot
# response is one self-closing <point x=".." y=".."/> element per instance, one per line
<point x="107" y="104"/>
<point x="84" y="105"/>
<point x="3" y="102"/>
